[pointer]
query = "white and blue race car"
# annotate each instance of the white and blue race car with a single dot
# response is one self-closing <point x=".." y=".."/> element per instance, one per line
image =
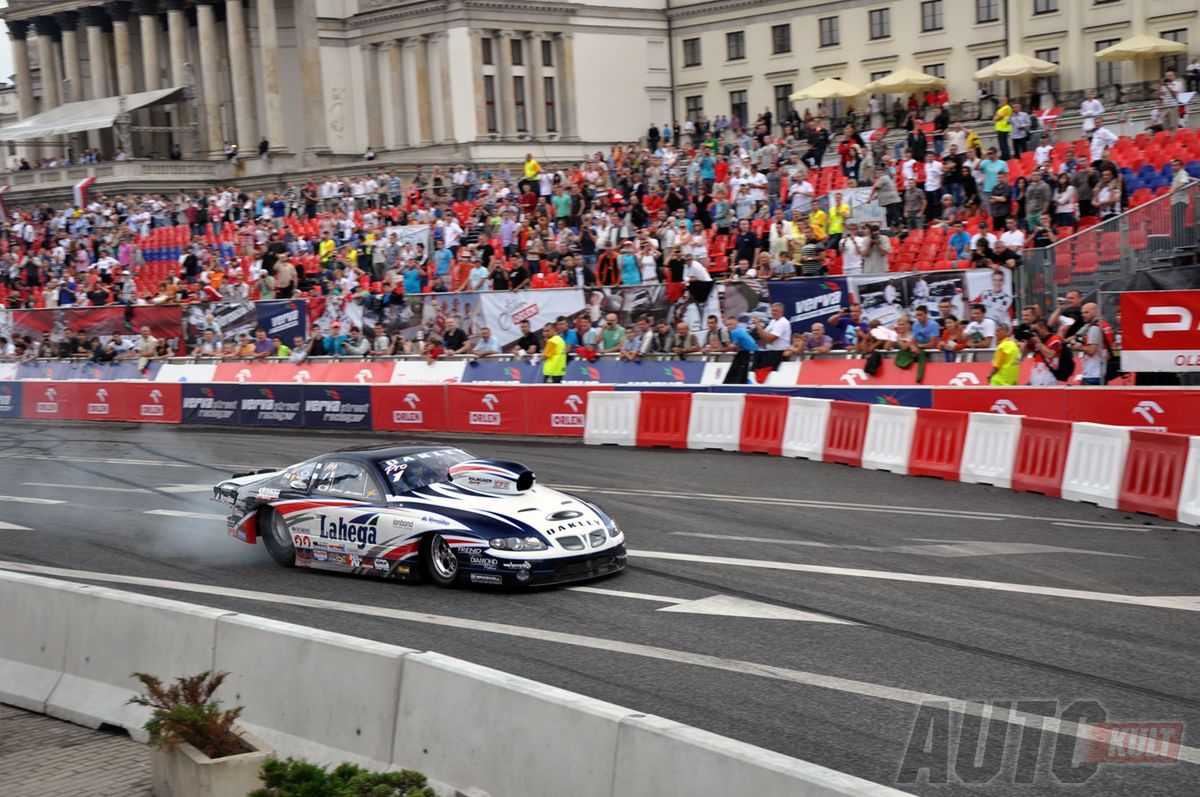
<point x="416" y="512"/>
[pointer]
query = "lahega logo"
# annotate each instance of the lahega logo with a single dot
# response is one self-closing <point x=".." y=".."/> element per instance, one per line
<point x="154" y="409"/>
<point x="50" y="405"/>
<point x="490" y="418"/>
<point x="412" y="414"/>
<point x="572" y="420"/>
<point x="100" y="406"/>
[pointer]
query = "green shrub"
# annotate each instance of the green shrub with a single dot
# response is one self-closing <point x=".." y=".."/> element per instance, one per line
<point x="292" y="778"/>
<point x="186" y="711"/>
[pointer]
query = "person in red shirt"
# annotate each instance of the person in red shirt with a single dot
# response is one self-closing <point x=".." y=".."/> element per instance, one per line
<point x="653" y="202"/>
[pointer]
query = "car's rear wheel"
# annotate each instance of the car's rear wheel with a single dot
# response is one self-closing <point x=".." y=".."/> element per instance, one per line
<point x="275" y="535"/>
<point x="439" y="560"/>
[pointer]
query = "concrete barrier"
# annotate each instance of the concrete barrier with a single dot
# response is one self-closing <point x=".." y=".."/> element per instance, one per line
<point x="889" y="438"/>
<point x="716" y="421"/>
<point x="1095" y="463"/>
<point x="990" y="449"/>
<point x="33" y="641"/>
<point x="612" y="418"/>
<point x="296" y="693"/>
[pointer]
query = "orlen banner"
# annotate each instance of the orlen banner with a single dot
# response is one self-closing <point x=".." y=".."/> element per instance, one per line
<point x="10" y="400"/>
<point x="147" y="402"/>
<point x="410" y="408"/>
<point x="557" y="411"/>
<point x="1160" y="331"/>
<point x="50" y="400"/>
<point x="494" y="409"/>
<point x="98" y="401"/>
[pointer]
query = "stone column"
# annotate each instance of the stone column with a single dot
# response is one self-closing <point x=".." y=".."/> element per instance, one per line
<point x="537" y="94"/>
<point x="268" y="42"/>
<point x="155" y="144"/>
<point x="394" y="96"/>
<point x="421" y="76"/>
<point x="67" y="22"/>
<point x="177" y="38"/>
<point x="26" y="104"/>
<point x="244" y="105"/>
<point x="95" y="19"/>
<point x="568" y="123"/>
<point x="504" y="85"/>
<point x="412" y="121"/>
<point x="477" y="37"/>
<point x="312" y="85"/>
<point x="210" y="60"/>
<point x="372" y="96"/>
<point x="46" y="28"/>
<point x="119" y="11"/>
<point x="438" y="100"/>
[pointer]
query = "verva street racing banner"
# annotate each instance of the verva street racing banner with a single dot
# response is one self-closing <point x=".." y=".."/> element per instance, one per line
<point x="1160" y="331"/>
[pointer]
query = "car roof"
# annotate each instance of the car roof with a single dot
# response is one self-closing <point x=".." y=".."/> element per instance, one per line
<point x="381" y="451"/>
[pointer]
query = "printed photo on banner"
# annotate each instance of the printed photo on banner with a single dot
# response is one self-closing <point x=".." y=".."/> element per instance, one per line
<point x="883" y="298"/>
<point x="503" y="311"/>
<point x="227" y="320"/>
<point x="323" y="311"/>
<point x="411" y="235"/>
<point x="861" y="211"/>
<point x="992" y="289"/>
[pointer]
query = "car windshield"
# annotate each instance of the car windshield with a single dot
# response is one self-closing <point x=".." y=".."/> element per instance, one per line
<point x="413" y="471"/>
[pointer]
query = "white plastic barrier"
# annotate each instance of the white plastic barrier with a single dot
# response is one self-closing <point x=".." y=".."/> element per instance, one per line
<point x="112" y="634"/>
<point x="990" y="449"/>
<point x="33" y="641"/>
<point x="612" y="418"/>
<point x="325" y="724"/>
<point x="888" y="441"/>
<point x="805" y="428"/>
<point x="1189" y="493"/>
<point x="715" y="373"/>
<point x="787" y="375"/>
<point x="1095" y="463"/>
<point x="716" y="421"/>
<point x="657" y="757"/>
<point x="186" y="372"/>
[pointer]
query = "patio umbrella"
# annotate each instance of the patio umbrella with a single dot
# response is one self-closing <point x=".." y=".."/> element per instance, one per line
<point x="1017" y="65"/>
<point x="828" y="89"/>
<point x="905" y="80"/>
<point x="1140" y="46"/>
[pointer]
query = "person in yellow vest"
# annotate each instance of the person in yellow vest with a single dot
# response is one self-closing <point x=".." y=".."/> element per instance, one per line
<point x="554" y="353"/>
<point x="839" y="211"/>
<point x="1006" y="362"/>
<point x="325" y="249"/>
<point x="818" y="222"/>
<point x="533" y="170"/>
<point x="1003" y="123"/>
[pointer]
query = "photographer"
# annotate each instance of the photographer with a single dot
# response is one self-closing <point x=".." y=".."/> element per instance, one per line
<point x="875" y="256"/>
<point x="1092" y="341"/>
<point x="1051" y="363"/>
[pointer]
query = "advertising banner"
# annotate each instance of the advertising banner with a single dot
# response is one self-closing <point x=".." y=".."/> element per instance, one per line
<point x="147" y="402"/>
<point x="98" y="401"/>
<point x="1164" y="410"/>
<point x="413" y="408"/>
<point x="49" y="400"/>
<point x="270" y="405"/>
<point x="807" y="300"/>
<point x="165" y="321"/>
<point x="340" y="407"/>
<point x="1036" y="402"/>
<point x="10" y="400"/>
<point x="288" y="320"/>
<point x="1160" y="331"/>
<point x="493" y="410"/>
<point x="861" y="210"/>
<point x="66" y="370"/>
<point x="210" y="404"/>
<point x="227" y="319"/>
<point x="557" y="411"/>
<point x="504" y="310"/>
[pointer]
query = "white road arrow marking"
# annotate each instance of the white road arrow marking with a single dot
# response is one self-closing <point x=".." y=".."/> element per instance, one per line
<point x="13" y="527"/>
<point x="719" y="606"/>
<point x="944" y="548"/>
<point x="180" y="513"/>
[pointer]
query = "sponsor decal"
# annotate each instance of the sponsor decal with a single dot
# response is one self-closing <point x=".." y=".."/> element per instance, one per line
<point x="336" y="409"/>
<point x="518" y="565"/>
<point x="486" y="578"/>
<point x="437" y="521"/>
<point x="401" y="523"/>
<point x="408" y="416"/>
<point x="484" y="561"/>
<point x="338" y="559"/>
<point x="360" y="534"/>
<point x="268" y="493"/>
<point x="381" y="564"/>
<point x="356" y="560"/>
<point x="302" y="541"/>
<point x="469" y="551"/>
<point x="560" y="420"/>
<point x="1004" y="407"/>
<point x="394" y="469"/>
<point x="565" y="514"/>
<point x="154" y="409"/>
<point x="1149" y="412"/>
<point x="304" y="553"/>
<point x="482" y="418"/>
<point x="100" y="406"/>
<point x="320" y="556"/>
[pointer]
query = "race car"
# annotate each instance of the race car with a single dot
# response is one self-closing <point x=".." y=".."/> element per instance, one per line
<point x="422" y="512"/>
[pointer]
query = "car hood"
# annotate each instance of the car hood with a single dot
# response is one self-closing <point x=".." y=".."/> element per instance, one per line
<point x="541" y="509"/>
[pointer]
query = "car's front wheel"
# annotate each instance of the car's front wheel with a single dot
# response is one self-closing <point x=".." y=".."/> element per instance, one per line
<point x="275" y="535"/>
<point x="439" y="560"/>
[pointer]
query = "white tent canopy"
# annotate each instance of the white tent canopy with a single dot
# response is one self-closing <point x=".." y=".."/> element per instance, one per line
<point x="78" y="117"/>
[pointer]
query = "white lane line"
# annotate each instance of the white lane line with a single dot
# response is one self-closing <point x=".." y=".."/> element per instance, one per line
<point x="13" y="527"/>
<point x="153" y="463"/>
<point x="940" y="548"/>
<point x="24" y="499"/>
<point x="911" y="697"/>
<point x="616" y="593"/>
<point x="181" y="513"/>
<point x="720" y="606"/>
<point x="1101" y="525"/>
<point x="184" y="488"/>
<point x="87" y="487"/>
<point x="1187" y="603"/>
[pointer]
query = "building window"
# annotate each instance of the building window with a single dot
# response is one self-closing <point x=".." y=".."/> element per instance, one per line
<point x="781" y="39"/>
<point x="694" y="106"/>
<point x="489" y="102"/>
<point x="735" y="45"/>
<point x="880" y="23"/>
<point x="931" y="15"/>
<point x="993" y="88"/>
<point x="547" y="52"/>
<point x="1052" y="81"/>
<point x="987" y="10"/>
<point x="489" y="57"/>
<point x="518" y="52"/>
<point x="1176" y="62"/>
<point x="691" y="52"/>
<point x="829" y="31"/>
<point x="783" y="105"/>
<point x="519" y="102"/>
<point x="551" y="115"/>
<point x="937" y="70"/>
<point x="1108" y="73"/>
<point x="1045" y="6"/>
<point x="739" y="106"/>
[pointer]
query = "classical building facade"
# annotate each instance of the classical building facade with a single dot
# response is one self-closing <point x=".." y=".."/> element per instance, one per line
<point x="326" y="79"/>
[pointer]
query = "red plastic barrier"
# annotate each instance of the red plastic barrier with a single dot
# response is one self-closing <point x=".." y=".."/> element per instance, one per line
<point x="49" y="400"/>
<point x="557" y="411"/>
<point x="154" y="402"/>
<point x="1036" y="402"/>
<point x="763" y="421"/>
<point x="937" y="444"/>
<point x="663" y="419"/>
<point x="491" y="410"/>
<point x="846" y="432"/>
<point x="1154" y="473"/>
<point x="1041" y="456"/>
<point x="411" y="408"/>
<point x="100" y="401"/>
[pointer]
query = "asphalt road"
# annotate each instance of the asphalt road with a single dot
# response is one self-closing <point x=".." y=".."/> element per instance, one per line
<point x="865" y="596"/>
